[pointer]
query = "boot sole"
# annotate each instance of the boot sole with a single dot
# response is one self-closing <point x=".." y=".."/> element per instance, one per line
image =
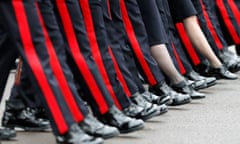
<point x="208" y="85"/>
<point x="151" y="115"/>
<point x="181" y="103"/>
<point x="139" y="127"/>
<point x="198" y="97"/>
<point x="106" y="136"/>
<point x="8" y="137"/>
<point x="28" y="128"/>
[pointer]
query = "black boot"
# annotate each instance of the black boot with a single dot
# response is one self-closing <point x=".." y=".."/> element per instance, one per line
<point x="6" y="133"/>
<point x="149" y="109"/>
<point x="76" y="135"/>
<point x="162" y="89"/>
<point x="133" y="111"/>
<point x="199" y="84"/>
<point x="95" y="128"/>
<point x="210" y="81"/>
<point x="222" y="73"/>
<point x="114" y="117"/>
<point x="14" y="116"/>
<point x="230" y="60"/>
<point x="182" y="87"/>
<point x="155" y="99"/>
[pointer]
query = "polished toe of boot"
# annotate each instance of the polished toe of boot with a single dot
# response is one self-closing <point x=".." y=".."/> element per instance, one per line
<point x="182" y="87"/>
<point x="6" y="133"/>
<point x="196" y="85"/>
<point x="163" y="109"/>
<point x="149" y="109"/>
<point x="24" y="119"/>
<point x="222" y="73"/>
<point x="76" y="135"/>
<point x="95" y="128"/>
<point x="114" y="117"/>
<point x="155" y="99"/>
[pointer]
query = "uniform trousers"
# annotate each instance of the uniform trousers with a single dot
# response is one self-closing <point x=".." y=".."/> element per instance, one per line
<point x="139" y="44"/>
<point x="179" y="10"/>
<point x="210" y="24"/>
<point x="228" y="15"/>
<point x="194" y="56"/>
<point x="23" y="92"/>
<point x="80" y="58"/>
<point x="155" y="28"/>
<point x="93" y="13"/>
<point x="8" y="56"/>
<point x="237" y="2"/>
<point x="175" y="46"/>
<point x="24" y="23"/>
<point x="124" y="61"/>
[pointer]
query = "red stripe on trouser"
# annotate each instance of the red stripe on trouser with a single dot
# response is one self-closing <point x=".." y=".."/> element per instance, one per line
<point x="223" y="11"/>
<point x="36" y="67"/>
<point x="77" y="56"/>
<point x="57" y="70"/>
<point x="86" y="11"/>
<point x="187" y="43"/>
<point x="119" y="74"/>
<point x="211" y="27"/>
<point x="135" y="45"/>
<point x="109" y="9"/>
<point x="180" y="64"/>
<point x="235" y="10"/>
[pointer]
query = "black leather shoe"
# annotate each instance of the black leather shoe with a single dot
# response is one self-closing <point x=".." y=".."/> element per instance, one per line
<point x="222" y="73"/>
<point x="95" y="128"/>
<point x="210" y="81"/>
<point x="149" y="109"/>
<point x="182" y="87"/>
<point x="152" y="98"/>
<point x="161" y="92"/>
<point x="40" y="113"/>
<point x="24" y="119"/>
<point x="230" y="60"/>
<point x="6" y="133"/>
<point x="133" y="111"/>
<point x="114" y="117"/>
<point x="199" y="84"/>
<point x="163" y="89"/>
<point x="76" y="135"/>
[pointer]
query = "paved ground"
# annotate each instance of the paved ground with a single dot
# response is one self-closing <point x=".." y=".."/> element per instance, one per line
<point x="214" y="120"/>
